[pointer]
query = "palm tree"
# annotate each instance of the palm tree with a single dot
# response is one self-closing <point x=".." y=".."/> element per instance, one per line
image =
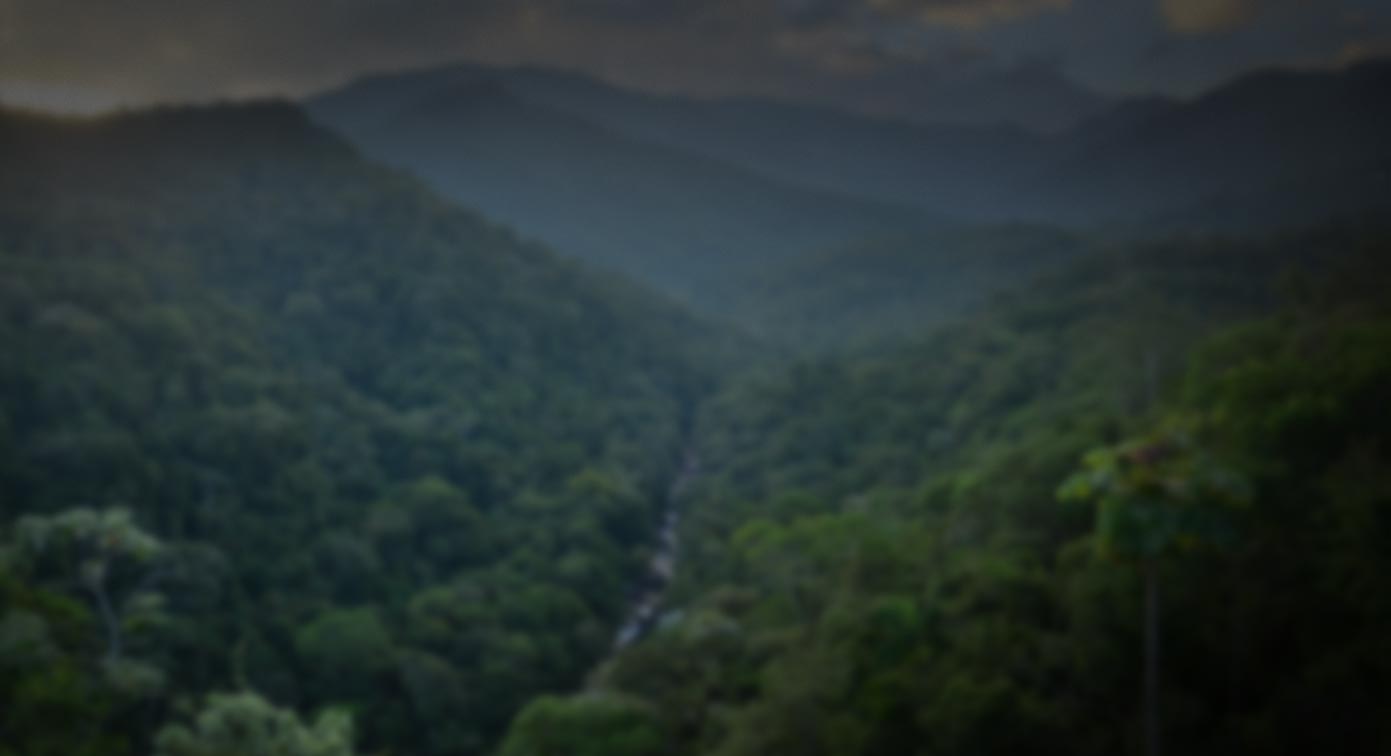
<point x="1156" y="495"/>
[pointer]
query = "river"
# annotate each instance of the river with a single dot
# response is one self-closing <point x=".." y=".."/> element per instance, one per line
<point x="646" y="606"/>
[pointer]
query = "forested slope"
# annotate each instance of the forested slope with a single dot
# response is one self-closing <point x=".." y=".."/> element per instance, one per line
<point x="886" y="290"/>
<point x="882" y="556"/>
<point x="274" y="418"/>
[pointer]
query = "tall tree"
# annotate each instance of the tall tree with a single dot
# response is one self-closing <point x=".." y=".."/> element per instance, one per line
<point x="1156" y="495"/>
<point x="102" y="554"/>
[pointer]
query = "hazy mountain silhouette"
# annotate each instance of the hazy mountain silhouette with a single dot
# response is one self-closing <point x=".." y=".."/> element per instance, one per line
<point x="685" y="223"/>
<point x="1032" y="94"/>
<point x="951" y="168"/>
<point x="1258" y="148"/>
<point x="1255" y="148"/>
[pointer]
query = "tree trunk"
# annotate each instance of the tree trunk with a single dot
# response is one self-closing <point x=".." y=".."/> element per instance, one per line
<point x="109" y="620"/>
<point x="1151" y="663"/>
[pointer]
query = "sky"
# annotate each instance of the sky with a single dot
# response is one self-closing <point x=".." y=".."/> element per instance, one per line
<point x="932" y="58"/>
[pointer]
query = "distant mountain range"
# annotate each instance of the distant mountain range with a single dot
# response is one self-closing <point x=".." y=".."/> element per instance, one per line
<point x="681" y="220"/>
<point x="1253" y="151"/>
<point x="946" y="167"/>
<point x="717" y="202"/>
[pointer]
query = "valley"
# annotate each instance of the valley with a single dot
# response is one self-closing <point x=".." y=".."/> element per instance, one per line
<point x="501" y="410"/>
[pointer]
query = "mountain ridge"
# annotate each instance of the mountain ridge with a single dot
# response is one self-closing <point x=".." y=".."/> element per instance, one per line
<point x="1106" y="169"/>
<point x="683" y="222"/>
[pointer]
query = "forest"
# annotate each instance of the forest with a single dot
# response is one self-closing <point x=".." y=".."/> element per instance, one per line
<point x="303" y="455"/>
<point x="256" y="440"/>
<point x="941" y="549"/>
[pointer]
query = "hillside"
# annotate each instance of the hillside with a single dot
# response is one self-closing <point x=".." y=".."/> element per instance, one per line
<point x="891" y="553"/>
<point x="890" y="289"/>
<point x="277" y="418"/>
<point x="1280" y="146"/>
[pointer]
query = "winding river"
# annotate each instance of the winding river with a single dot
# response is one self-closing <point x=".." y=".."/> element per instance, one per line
<point x="646" y="605"/>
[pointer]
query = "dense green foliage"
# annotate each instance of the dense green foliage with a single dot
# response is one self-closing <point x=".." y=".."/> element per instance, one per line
<point x="1157" y="494"/>
<point x="395" y="460"/>
<point x="244" y="723"/>
<point x="585" y="726"/>
<point x="877" y="561"/>
<point x="297" y="459"/>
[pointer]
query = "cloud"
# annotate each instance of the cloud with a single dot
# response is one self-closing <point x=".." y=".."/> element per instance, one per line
<point x="94" y="53"/>
<point x="969" y="14"/>
<point x="1362" y="50"/>
<point x="1200" y="17"/>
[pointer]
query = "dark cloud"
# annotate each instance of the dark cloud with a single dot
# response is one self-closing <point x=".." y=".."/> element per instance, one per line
<point x="1209" y="16"/>
<point x="970" y="14"/>
<point x="98" y="52"/>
